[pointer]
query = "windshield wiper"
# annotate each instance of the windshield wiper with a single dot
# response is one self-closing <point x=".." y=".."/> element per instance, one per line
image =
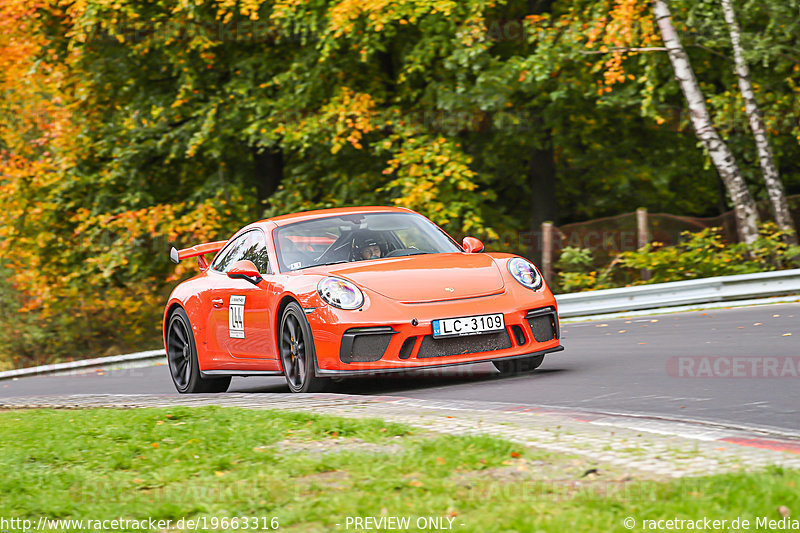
<point x="407" y="252"/>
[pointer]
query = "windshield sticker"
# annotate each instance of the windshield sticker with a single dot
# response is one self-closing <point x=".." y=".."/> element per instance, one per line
<point x="236" y="317"/>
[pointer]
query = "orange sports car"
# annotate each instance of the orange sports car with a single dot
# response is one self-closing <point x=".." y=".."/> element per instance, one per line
<point x="351" y="292"/>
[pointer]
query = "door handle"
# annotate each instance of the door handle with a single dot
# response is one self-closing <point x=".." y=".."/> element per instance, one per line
<point x="218" y="302"/>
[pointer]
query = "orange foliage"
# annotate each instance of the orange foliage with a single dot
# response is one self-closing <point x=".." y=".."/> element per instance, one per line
<point x="76" y="282"/>
<point x="627" y="26"/>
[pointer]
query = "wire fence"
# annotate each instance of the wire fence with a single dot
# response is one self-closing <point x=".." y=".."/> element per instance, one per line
<point x="607" y="237"/>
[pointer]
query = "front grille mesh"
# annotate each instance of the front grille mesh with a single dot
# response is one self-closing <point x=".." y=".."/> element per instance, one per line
<point x="468" y="344"/>
<point x="543" y="328"/>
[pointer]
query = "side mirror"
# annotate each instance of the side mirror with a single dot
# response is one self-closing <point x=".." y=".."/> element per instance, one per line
<point x="246" y="270"/>
<point x="472" y="245"/>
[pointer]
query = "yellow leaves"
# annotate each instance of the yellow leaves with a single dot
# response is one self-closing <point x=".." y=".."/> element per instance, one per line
<point x="536" y="19"/>
<point x="352" y="115"/>
<point x="346" y="15"/>
<point x="628" y="25"/>
<point x="430" y="176"/>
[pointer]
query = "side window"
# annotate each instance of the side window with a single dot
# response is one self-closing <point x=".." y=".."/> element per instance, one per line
<point x="256" y="251"/>
<point x="229" y="255"/>
<point x="251" y="246"/>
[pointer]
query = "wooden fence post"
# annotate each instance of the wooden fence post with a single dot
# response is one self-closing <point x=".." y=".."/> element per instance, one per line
<point x="643" y="235"/>
<point x="547" y="251"/>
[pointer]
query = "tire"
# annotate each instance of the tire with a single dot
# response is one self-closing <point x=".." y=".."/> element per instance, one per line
<point x="296" y="348"/>
<point x="520" y="365"/>
<point x="182" y="358"/>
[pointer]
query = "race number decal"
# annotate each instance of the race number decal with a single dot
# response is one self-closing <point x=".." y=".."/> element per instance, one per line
<point x="236" y="317"/>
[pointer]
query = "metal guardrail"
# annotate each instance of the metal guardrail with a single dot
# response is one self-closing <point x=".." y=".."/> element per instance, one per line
<point x="129" y="358"/>
<point x="643" y="297"/>
<point x="677" y="293"/>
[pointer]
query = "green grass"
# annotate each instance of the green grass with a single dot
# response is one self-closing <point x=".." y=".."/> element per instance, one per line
<point x="311" y="472"/>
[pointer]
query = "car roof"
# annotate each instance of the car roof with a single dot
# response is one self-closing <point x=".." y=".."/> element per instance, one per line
<point x="282" y="220"/>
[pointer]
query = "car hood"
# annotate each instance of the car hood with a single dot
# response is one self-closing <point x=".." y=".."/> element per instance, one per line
<point x="426" y="278"/>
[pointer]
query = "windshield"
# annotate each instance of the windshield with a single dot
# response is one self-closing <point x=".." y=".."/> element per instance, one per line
<point x="358" y="237"/>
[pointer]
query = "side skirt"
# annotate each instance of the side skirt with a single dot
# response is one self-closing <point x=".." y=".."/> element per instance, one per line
<point x="240" y="373"/>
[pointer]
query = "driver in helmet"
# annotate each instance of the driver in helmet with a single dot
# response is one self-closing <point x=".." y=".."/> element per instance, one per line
<point x="366" y="246"/>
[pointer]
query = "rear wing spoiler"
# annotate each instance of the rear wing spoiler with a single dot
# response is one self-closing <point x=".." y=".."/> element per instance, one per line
<point x="197" y="251"/>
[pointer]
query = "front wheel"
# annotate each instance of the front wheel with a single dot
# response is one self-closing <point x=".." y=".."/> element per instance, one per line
<point x="298" y="357"/>
<point x="520" y="365"/>
<point x="182" y="358"/>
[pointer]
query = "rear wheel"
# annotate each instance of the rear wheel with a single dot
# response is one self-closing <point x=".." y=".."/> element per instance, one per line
<point x="296" y="346"/>
<point x="182" y="358"/>
<point x="520" y="365"/>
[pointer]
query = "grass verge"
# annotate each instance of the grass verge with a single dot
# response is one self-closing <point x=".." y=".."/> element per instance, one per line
<point x="313" y="472"/>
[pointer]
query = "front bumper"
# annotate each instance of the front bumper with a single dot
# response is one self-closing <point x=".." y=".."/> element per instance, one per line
<point x="400" y="336"/>
<point x="369" y="372"/>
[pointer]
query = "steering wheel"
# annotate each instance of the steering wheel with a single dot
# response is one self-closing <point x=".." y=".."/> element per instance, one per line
<point x="400" y="252"/>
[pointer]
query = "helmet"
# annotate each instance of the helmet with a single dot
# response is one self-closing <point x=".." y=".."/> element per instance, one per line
<point x="366" y="245"/>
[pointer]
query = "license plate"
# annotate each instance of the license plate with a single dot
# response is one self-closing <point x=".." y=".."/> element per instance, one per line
<point x="468" y="325"/>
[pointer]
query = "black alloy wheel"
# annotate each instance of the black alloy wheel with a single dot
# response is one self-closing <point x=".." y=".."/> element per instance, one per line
<point x="296" y="346"/>
<point x="182" y="358"/>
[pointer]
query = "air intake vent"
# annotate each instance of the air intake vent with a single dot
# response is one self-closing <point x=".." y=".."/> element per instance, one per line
<point x="543" y="323"/>
<point x="365" y="345"/>
<point x="407" y="348"/>
<point x="519" y="335"/>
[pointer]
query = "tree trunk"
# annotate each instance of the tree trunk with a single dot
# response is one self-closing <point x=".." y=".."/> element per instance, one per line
<point x="268" y="173"/>
<point x="777" y="195"/>
<point x="542" y="183"/>
<point x="743" y="204"/>
<point x="541" y="169"/>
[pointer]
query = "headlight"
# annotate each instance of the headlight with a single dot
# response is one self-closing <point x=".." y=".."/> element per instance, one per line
<point x="340" y="293"/>
<point x="525" y="273"/>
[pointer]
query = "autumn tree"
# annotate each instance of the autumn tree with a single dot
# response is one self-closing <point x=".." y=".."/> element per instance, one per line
<point x="130" y="126"/>
<point x="743" y="204"/>
<point x="772" y="180"/>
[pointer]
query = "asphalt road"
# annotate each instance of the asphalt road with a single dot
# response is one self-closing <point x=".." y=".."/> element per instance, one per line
<point x="738" y="366"/>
